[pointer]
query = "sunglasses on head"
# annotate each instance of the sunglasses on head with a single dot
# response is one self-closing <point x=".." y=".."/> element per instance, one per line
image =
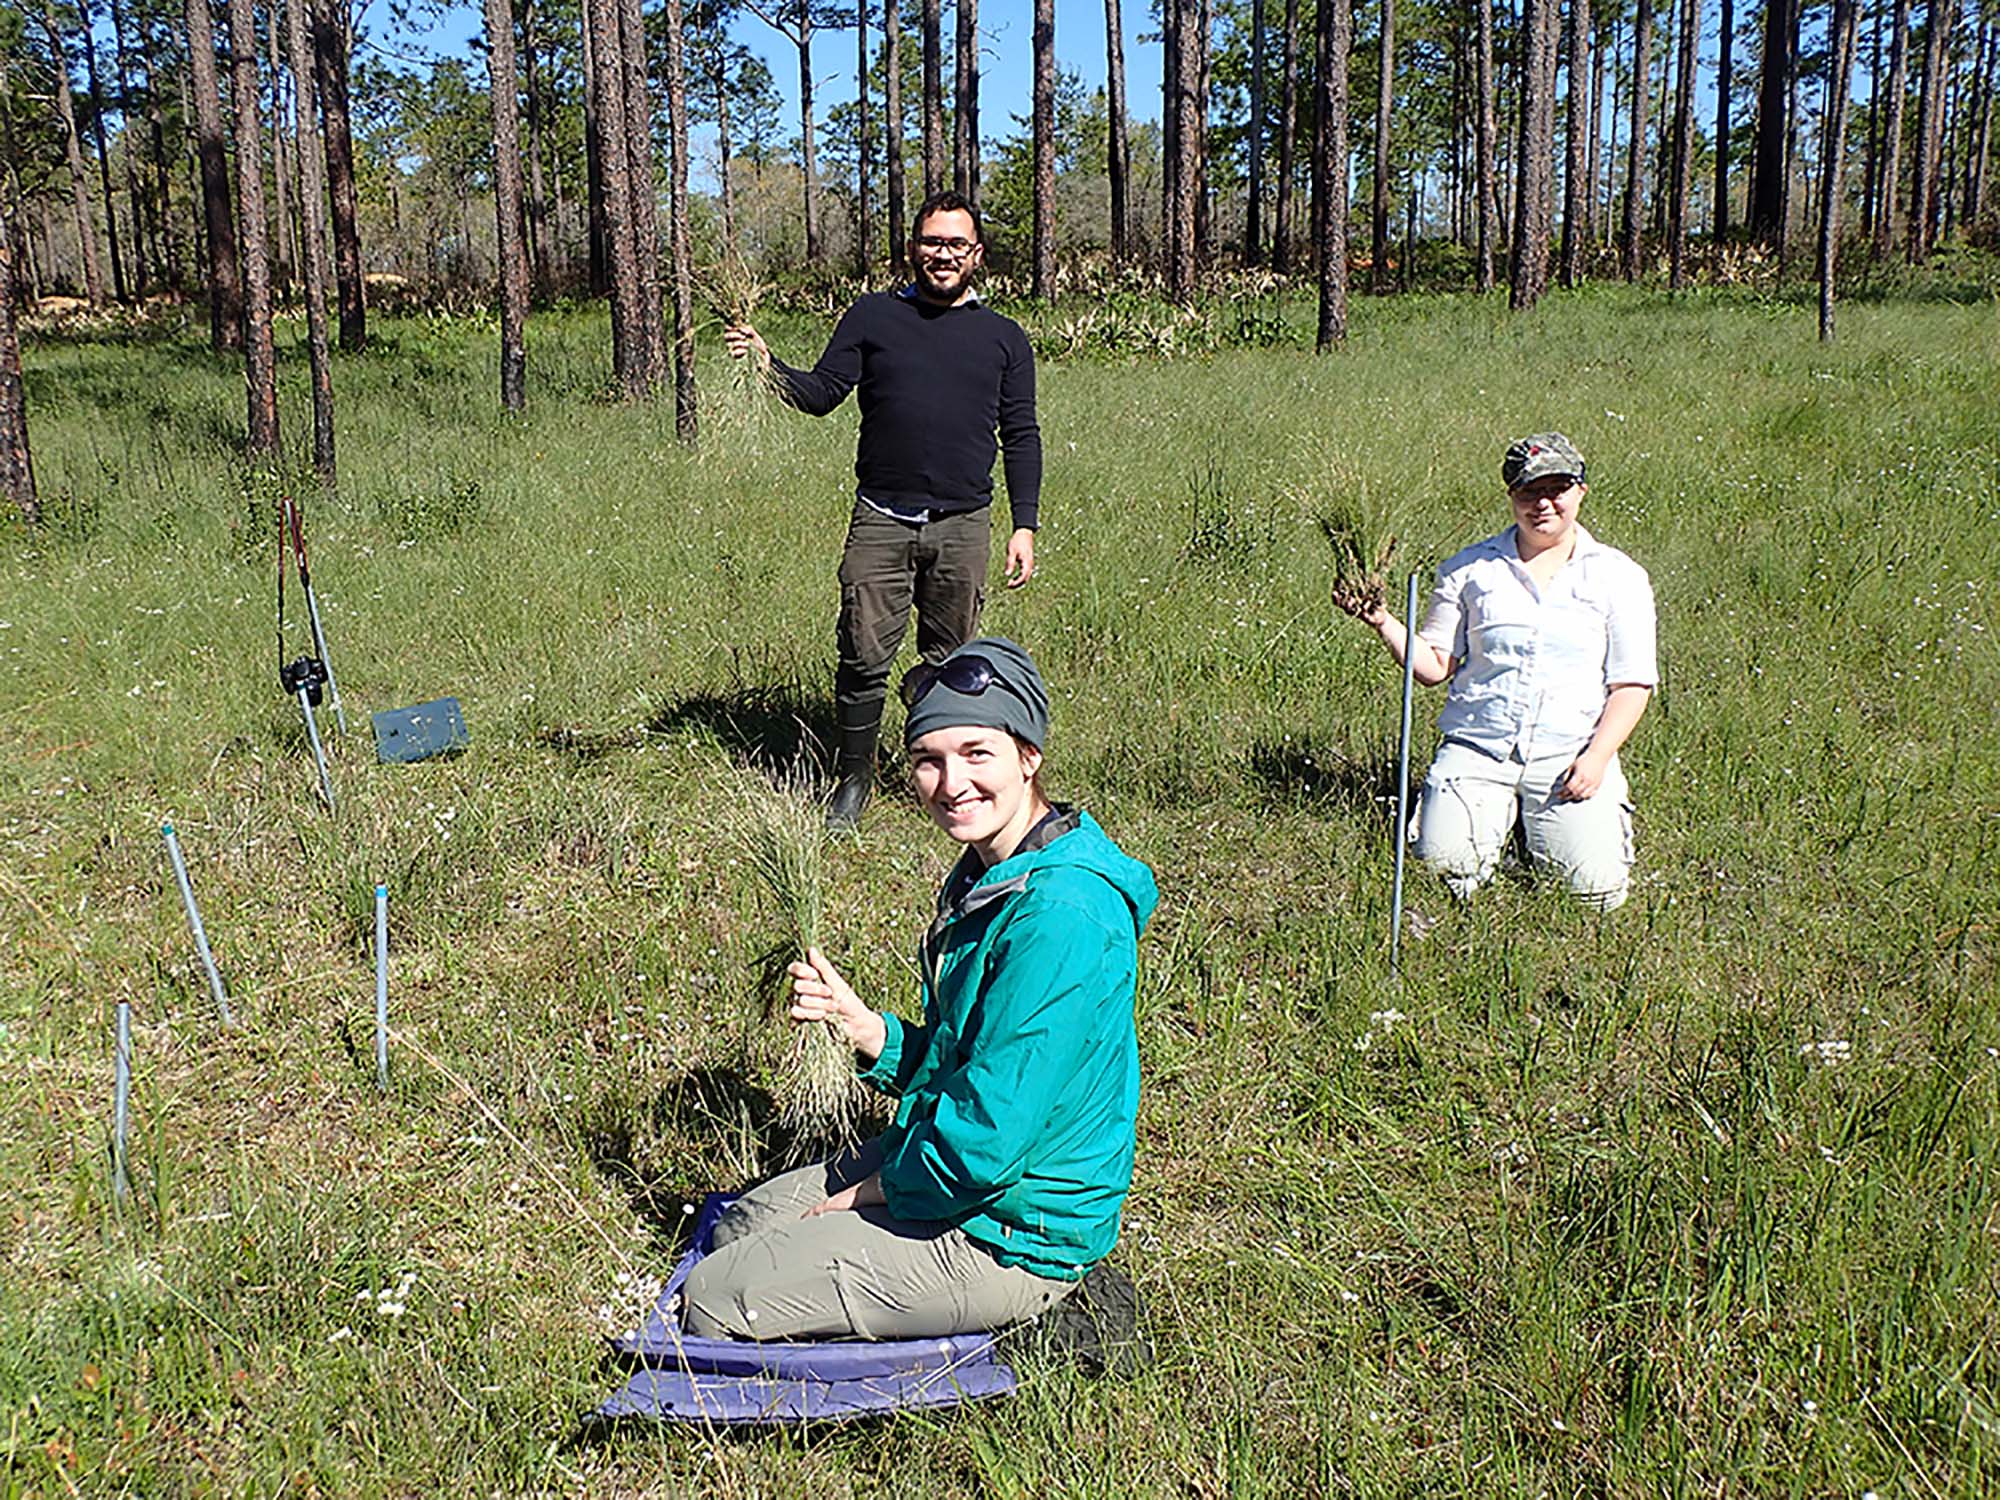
<point x="970" y="675"/>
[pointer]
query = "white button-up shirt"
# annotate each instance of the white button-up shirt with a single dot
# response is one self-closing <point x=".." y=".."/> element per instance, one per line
<point x="1536" y="664"/>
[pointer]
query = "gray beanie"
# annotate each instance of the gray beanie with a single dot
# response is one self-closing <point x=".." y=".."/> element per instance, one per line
<point x="989" y="684"/>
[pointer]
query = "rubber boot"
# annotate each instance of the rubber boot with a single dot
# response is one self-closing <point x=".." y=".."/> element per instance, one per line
<point x="855" y="777"/>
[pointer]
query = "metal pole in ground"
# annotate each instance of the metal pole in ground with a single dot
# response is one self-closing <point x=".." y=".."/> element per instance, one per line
<point x="319" y="755"/>
<point x="382" y="988"/>
<point x="1403" y="778"/>
<point x="319" y="645"/>
<point x="121" y="1101"/>
<point x="194" y="923"/>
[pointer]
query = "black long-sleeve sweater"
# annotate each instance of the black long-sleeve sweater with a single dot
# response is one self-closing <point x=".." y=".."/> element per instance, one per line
<point x="936" y="384"/>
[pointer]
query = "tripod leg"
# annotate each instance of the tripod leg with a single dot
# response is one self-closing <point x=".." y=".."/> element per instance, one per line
<point x="319" y="755"/>
<point x="319" y="648"/>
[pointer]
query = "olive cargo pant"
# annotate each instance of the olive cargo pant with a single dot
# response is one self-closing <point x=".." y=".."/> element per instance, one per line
<point x="886" y="567"/>
<point x="860" y="1273"/>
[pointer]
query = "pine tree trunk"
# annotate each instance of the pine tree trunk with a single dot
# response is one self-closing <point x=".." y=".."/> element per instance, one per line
<point x="312" y="241"/>
<point x="118" y="284"/>
<point x="1187" y="163"/>
<point x="145" y="253"/>
<point x="1924" y="196"/>
<point x="628" y="334"/>
<point x="1202" y="13"/>
<point x="1982" y="126"/>
<point x="1677" y="205"/>
<point x="282" y="254"/>
<point x="1489" y="214"/>
<point x="680" y="246"/>
<point x="892" y="132"/>
<point x="1253" y="204"/>
<point x="1774" y="123"/>
<point x="1042" y="278"/>
<point x="1888" y="226"/>
<point x="538" y="201"/>
<point x="329" y="38"/>
<point x="170" y="225"/>
<point x="1117" y="156"/>
<point x="1534" y="198"/>
<point x="1630" y="237"/>
<point x="596" y="233"/>
<point x="719" y="81"/>
<point x="260" y="364"/>
<point x="1576" y="191"/>
<point x="1288" y="127"/>
<point x="645" y="200"/>
<point x="17" y="469"/>
<point x="511" y="225"/>
<point x="965" y="118"/>
<point x="863" y="233"/>
<point x="79" y="177"/>
<point x="1832" y="170"/>
<point x="933" y="105"/>
<point x="225" y="283"/>
<point x="807" y="157"/>
<point x="1592" y="168"/>
<point x="1334" y="37"/>
<point x="1724" y="69"/>
<point x="1385" y="98"/>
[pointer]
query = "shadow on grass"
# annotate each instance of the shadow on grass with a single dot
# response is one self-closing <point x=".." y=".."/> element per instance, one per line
<point x="700" y="1105"/>
<point x="1301" y="774"/>
<point x="773" y="725"/>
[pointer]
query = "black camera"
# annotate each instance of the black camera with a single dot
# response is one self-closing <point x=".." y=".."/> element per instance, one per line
<point x="307" y="675"/>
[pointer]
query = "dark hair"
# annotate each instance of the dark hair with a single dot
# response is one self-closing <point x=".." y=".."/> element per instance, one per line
<point x="947" y="202"/>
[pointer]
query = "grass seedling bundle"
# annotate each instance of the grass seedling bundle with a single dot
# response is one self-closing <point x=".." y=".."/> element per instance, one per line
<point x="1361" y="551"/>
<point x="778" y="823"/>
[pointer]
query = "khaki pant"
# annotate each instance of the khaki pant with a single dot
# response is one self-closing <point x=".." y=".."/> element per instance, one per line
<point x="1472" y="802"/>
<point x="774" y="1274"/>
<point x="888" y="566"/>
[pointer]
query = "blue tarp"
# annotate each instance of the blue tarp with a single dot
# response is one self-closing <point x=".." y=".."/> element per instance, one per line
<point x="727" y="1382"/>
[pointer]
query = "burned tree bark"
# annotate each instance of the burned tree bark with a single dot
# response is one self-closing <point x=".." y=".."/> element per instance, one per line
<point x="329" y="39"/>
<point x="260" y="360"/>
<point x="312" y="237"/>
<point x="511" y="222"/>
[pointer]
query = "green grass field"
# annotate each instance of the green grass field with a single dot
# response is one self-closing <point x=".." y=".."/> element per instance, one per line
<point x="1697" y="1200"/>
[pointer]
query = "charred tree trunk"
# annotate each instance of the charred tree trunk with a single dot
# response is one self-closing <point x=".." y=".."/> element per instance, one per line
<point x="312" y="241"/>
<point x="1724" y="68"/>
<point x="225" y="282"/>
<point x="17" y="469"/>
<point x="1117" y="155"/>
<point x="965" y="104"/>
<point x="282" y="252"/>
<point x="597" y="232"/>
<point x="1385" y="99"/>
<point x="79" y="176"/>
<point x="933" y="106"/>
<point x="1576" y="190"/>
<point x="1043" y="276"/>
<point x="1677" y="202"/>
<point x="1201" y="13"/>
<point x="680" y="247"/>
<point x="1288" y="126"/>
<point x="892" y="132"/>
<point x="1534" y="195"/>
<point x="1334" y="38"/>
<point x="1841" y="37"/>
<point x="511" y="222"/>
<point x="329" y="38"/>
<point x="1631" y="236"/>
<point x="1768" y="203"/>
<point x="1486" y="129"/>
<point x="260" y="361"/>
<point x="1253" y="207"/>
<point x="1982" y="126"/>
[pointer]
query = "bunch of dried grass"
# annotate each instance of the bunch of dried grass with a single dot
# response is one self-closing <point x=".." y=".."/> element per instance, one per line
<point x="779" y="825"/>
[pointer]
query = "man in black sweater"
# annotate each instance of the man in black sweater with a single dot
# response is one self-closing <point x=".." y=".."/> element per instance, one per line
<point x="939" y="374"/>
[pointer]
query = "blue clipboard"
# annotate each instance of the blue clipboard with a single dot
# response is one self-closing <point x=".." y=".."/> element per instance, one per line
<point x="420" y="732"/>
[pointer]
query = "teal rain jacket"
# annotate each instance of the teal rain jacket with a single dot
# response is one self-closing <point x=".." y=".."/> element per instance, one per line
<point x="1020" y="1091"/>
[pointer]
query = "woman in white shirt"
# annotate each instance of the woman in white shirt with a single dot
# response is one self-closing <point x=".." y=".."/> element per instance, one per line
<point x="1546" y="636"/>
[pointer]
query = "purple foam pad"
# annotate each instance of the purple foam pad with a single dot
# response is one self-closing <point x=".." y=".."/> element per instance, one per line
<point x="739" y="1401"/>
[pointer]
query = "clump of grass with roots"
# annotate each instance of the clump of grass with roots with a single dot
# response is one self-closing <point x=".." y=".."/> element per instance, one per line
<point x="732" y="291"/>
<point x="777" y="821"/>
<point x="1361" y="548"/>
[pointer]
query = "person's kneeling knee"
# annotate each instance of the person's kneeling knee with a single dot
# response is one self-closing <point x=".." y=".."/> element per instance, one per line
<point x="1602" y="885"/>
<point x="711" y="1309"/>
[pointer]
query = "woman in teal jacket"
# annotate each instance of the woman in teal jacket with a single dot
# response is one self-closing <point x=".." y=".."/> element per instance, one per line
<point x="1000" y="1183"/>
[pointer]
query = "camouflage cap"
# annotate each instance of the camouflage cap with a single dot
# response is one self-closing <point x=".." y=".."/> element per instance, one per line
<point x="1539" y="456"/>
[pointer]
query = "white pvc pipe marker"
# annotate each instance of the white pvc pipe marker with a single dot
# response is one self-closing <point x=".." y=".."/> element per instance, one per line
<point x="194" y="923"/>
<point x="121" y="1100"/>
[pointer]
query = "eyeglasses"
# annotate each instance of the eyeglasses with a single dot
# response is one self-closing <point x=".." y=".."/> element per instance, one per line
<point x="970" y="675"/>
<point x="955" y="247"/>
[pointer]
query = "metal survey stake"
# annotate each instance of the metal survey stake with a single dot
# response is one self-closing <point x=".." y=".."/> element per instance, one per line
<point x="1403" y="778"/>
<point x="312" y="734"/>
<point x="382" y="988"/>
<point x="194" y="923"/>
<point x="121" y="1100"/>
